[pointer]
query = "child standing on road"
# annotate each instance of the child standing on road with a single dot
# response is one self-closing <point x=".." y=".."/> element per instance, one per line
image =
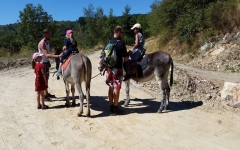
<point x="40" y="80"/>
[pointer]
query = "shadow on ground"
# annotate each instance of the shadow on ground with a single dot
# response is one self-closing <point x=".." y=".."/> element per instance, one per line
<point x="140" y="106"/>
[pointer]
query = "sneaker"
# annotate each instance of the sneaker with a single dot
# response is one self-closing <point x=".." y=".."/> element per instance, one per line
<point x="50" y="95"/>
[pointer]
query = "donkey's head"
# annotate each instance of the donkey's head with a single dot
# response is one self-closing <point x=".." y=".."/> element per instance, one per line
<point x="102" y="65"/>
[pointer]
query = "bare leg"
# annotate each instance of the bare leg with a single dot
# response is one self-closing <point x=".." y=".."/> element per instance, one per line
<point x="42" y="97"/>
<point x="116" y="109"/>
<point x="110" y="95"/>
<point x="38" y="98"/>
<point x="116" y="96"/>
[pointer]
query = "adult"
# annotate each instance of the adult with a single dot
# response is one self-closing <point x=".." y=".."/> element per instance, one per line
<point x="115" y="73"/>
<point x="70" y="46"/>
<point x="137" y="49"/>
<point x="44" y="48"/>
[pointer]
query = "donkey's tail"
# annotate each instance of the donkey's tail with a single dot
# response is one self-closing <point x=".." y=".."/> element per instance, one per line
<point x="171" y="76"/>
<point x="88" y="73"/>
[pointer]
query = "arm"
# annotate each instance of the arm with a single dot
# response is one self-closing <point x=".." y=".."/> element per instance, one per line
<point x="42" y="47"/>
<point x="136" y="42"/>
<point x="44" y="76"/>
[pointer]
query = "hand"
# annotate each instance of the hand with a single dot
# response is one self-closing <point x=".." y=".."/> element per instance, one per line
<point x="60" y="55"/>
<point x="129" y="52"/>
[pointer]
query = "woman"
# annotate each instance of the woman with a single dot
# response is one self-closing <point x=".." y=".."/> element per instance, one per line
<point x="70" y="45"/>
<point x="136" y="53"/>
<point x="139" y="42"/>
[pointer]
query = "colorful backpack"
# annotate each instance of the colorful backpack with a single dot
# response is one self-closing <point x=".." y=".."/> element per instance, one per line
<point x="110" y="55"/>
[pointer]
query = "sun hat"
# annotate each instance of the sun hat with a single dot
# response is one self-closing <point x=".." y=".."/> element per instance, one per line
<point x="137" y="25"/>
<point x="69" y="32"/>
<point x="35" y="55"/>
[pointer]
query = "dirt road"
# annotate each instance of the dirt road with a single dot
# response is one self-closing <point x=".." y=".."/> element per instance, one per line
<point x="23" y="126"/>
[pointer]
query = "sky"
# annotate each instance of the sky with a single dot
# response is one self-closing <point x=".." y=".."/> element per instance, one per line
<point x="70" y="10"/>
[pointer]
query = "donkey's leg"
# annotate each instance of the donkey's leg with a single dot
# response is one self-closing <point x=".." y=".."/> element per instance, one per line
<point x="73" y="94"/>
<point x="163" y="85"/>
<point x="67" y="92"/>
<point x="127" y="90"/>
<point x="80" y="92"/>
<point x="88" y="97"/>
<point x="167" y="92"/>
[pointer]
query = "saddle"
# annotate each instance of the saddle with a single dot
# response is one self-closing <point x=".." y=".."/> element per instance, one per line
<point x="137" y="67"/>
<point x="67" y="61"/>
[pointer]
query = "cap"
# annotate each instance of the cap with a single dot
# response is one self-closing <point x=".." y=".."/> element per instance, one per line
<point x="137" y="25"/>
<point x="35" y="55"/>
<point x="69" y="32"/>
<point x="46" y="31"/>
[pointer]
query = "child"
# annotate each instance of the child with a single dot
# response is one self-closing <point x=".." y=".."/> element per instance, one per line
<point x="70" y="46"/>
<point x="40" y="80"/>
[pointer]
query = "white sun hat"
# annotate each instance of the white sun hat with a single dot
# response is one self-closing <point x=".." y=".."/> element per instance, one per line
<point x="137" y="25"/>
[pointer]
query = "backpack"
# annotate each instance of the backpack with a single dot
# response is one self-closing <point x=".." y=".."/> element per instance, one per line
<point x="109" y="54"/>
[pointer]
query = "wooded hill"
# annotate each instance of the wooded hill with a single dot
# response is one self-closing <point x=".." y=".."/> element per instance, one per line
<point x="187" y="23"/>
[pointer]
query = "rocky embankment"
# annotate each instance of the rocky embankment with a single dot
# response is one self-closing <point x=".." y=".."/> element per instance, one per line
<point x="16" y="63"/>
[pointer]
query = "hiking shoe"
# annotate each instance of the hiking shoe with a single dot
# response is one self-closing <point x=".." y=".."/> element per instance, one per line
<point x="118" y="111"/>
<point x="45" y="106"/>
<point x="111" y="109"/>
<point x="50" y="95"/>
<point x="39" y="106"/>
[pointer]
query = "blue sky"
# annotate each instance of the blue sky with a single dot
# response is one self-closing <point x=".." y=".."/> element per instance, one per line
<point x="64" y="10"/>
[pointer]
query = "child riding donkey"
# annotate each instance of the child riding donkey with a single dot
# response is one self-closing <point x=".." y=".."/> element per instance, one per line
<point x="70" y="46"/>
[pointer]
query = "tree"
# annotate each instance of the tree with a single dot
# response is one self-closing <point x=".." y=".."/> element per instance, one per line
<point x="32" y="22"/>
<point x="127" y="23"/>
<point x="111" y="22"/>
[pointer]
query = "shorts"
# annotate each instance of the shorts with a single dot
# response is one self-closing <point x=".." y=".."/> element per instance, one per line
<point x="114" y="78"/>
<point x="47" y="66"/>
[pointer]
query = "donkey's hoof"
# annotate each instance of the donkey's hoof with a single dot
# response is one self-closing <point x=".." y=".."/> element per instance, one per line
<point x="79" y="114"/>
<point x="125" y="104"/>
<point x="159" y="111"/>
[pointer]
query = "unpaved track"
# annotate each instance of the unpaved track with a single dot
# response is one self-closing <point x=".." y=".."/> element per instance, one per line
<point x="23" y="126"/>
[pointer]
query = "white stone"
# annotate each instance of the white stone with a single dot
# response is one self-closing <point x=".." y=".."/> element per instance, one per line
<point x="231" y="92"/>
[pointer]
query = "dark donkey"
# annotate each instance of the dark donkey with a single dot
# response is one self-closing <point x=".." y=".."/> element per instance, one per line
<point x="156" y="64"/>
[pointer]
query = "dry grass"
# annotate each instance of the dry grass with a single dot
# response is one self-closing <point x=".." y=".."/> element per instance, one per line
<point x="24" y="53"/>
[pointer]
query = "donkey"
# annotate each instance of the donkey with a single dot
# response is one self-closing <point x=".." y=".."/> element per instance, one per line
<point x="156" y="64"/>
<point x="78" y="70"/>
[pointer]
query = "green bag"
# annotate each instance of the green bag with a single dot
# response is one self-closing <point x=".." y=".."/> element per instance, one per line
<point x="110" y="55"/>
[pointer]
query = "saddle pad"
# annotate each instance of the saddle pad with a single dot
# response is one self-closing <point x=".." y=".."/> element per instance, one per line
<point x="66" y="63"/>
<point x="144" y="62"/>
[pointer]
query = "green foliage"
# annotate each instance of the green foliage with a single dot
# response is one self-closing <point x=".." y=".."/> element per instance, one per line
<point x="187" y="21"/>
<point x="32" y="22"/>
<point x="127" y="21"/>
